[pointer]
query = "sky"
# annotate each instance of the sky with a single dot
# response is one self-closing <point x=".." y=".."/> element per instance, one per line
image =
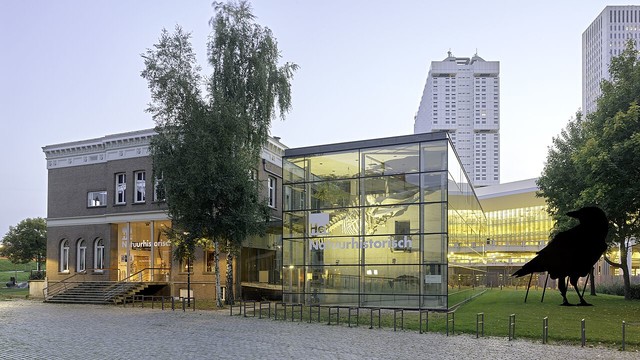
<point x="70" y="70"/>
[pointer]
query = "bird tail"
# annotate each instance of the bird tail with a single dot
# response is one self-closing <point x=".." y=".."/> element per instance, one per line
<point x="535" y="265"/>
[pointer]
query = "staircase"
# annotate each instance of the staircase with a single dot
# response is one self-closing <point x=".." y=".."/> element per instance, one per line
<point x="96" y="292"/>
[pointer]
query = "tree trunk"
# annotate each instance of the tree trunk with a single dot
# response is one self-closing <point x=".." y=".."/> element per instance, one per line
<point x="216" y="261"/>
<point x="230" y="295"/>
<point x="625" y="269"/>
<point x="593" y="281"/>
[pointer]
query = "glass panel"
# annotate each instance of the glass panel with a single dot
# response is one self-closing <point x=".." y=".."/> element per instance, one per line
<point x="334" y="251"/>
<point x="333" y="284"/>
<point x="97" y="198"/>
<point x="333" y="166"/>
<point x="434" y="248"/>
<point x="391" y="279"/>
<point x="294" y="197"/>
<point x="161" y="251"/>
<point x="293" y="224"/>
<point x="391" y="301"/>
<point x="99" y="255"/>
<point x="293" y="170"/>
<point x="293" y="284"/>
<point x="434" y="186"/>
<point x="82" y="252"/>
<point x="435" y="279"/>
<point x="434" y="156"/>
<point x="329" y="194"/>
<point x="293" y="252"/>
<point x="435" y="218"/>
<point x="391" y="160"/>
<point x="389" y="190"/>
<point x="434" y="302"/>
<point x="140" y="255"/>
<point x="394" y="249"/>
<point x="392" y="220"/>
<point x="335" y="222"/>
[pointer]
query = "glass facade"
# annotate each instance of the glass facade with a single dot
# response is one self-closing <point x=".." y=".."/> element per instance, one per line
<point x="367" y="223"/>
<point x="513" y="237"/>
<point x="144" y="252"/>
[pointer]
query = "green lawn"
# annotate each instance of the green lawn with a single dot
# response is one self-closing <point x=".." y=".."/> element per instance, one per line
<point x="9" y="270"/>
<point x="603" y="320"/>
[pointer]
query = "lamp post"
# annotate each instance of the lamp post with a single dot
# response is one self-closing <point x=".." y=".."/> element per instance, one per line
<point x="186" y="233"/>
<point x="189" y="281"/>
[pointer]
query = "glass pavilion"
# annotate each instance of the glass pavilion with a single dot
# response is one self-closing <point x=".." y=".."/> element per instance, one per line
<point x="368" y="223"/>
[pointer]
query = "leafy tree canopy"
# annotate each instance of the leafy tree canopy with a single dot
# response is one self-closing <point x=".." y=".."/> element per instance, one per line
<point x="26" y="241"/>
<point x="211" y="129"/>
<point x="596" y="161"/>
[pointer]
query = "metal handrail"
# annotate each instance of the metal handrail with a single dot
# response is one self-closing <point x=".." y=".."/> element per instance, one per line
<point x="60" y="286"/>
<point x="121" y="284"/>
<point x="139" y="273"/>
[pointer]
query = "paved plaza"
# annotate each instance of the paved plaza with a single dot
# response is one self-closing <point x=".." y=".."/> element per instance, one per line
<point x="34" y="330"/>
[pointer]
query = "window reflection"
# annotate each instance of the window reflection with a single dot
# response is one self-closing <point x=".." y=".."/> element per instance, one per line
<point x="400" y="159"/>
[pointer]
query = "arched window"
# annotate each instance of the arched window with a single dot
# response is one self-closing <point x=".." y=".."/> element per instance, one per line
<point x="98" y="255"/>
<point x="82" y="256"/>
<point x="64" y="256"/>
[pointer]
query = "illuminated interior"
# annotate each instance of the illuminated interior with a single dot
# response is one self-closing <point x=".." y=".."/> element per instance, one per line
<point x="366" y="224"/>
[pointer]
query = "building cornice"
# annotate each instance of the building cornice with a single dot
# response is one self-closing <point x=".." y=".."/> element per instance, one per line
<point x="108" y="219"/>
<point x="125" y="146"/>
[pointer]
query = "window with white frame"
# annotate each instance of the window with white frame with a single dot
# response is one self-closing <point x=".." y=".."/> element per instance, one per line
<point x="141" y="184"/>
<point x="121" y="187"/>
<point x="82" y="256"/>
<point x="96" y="198"/>
<point x="64" y="256"/>
<point x="271" y="184"/>
<point x="98" y="255"/>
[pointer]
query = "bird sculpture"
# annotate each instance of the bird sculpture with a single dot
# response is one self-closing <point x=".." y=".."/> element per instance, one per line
<point x="572" y="253"/>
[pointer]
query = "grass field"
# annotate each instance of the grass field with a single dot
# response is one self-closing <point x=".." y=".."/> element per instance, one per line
<point x="9" y="270"/>
<point x="603" y="321"/>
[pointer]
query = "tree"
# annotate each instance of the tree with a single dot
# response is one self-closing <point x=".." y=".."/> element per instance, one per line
<point x="26" y="242"/>
<point x="207" y="146"/>
<point x="597" y="160"/>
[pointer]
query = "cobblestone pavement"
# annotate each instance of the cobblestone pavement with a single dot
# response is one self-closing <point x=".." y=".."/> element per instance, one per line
<point x="34" y="330"/>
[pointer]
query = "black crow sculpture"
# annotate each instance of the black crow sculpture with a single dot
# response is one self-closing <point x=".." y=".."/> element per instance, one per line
<point x="572" y="253"/>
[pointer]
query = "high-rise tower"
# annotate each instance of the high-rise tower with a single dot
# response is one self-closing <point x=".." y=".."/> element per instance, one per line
<point x="604" y="39"/>
<point x="462" y="97"/>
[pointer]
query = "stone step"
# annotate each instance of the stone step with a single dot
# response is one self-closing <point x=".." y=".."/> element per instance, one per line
<point x="95" y="292"/>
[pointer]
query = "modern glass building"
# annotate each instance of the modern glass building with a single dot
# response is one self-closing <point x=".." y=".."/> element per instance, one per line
<point x="367" y="223"/>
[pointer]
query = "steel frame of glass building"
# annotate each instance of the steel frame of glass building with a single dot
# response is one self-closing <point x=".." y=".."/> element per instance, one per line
<point x="367" y="223"/>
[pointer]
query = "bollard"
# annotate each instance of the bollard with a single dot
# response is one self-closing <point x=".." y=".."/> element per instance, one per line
<point x="479" y="321"/>
<point x="401" y="311"/>
<point x="584" y="333"/>
<point x="512" y="327"/>
<point x="311" y="307"/>
<point x="426" y="318"/>
<point x="623" y="333"/>
<point x="453" y="322"/>
<point x="545" y="330"/>
<point x="371" y="310"/>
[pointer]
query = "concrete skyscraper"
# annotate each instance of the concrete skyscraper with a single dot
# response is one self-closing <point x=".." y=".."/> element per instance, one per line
<point x="462" y="97"/>
<point x="604" y="39"/>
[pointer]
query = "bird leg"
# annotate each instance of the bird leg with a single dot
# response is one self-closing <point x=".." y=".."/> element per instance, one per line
<point x="574" y="282"/>
<point x="562" y="286"/>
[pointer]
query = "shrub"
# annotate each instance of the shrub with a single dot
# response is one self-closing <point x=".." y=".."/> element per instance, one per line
<point x="617" y="288"/>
